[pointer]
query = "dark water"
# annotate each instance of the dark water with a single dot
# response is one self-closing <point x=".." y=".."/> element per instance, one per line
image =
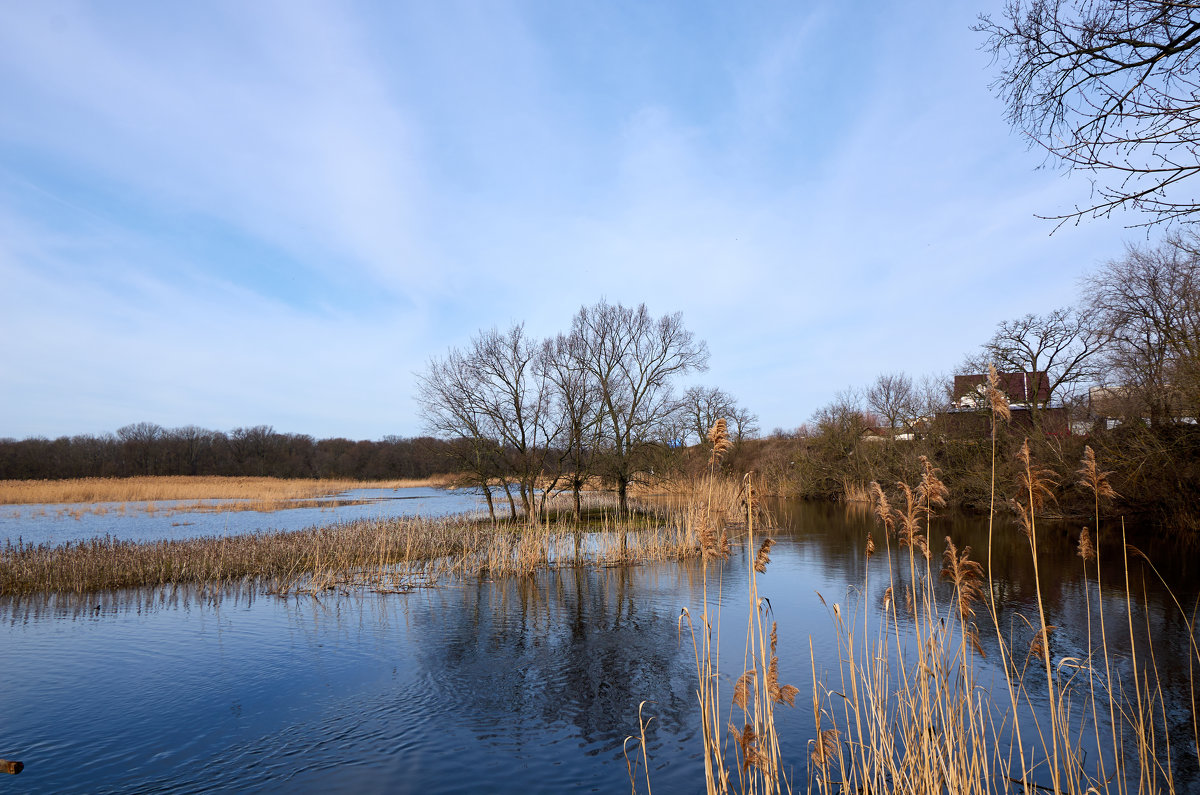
<point x="55" y="524"/>
<point x="521" y="686"/>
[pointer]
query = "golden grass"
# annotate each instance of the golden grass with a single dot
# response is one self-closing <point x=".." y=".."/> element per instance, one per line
<point x="911" y="712"/>
<point x="262" y="491"/>
<point x="905" y="709"/>
<point x="382" y="554"/>
<point x="855" y="492"/>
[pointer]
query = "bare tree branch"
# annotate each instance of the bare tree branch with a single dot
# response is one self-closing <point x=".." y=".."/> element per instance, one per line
<point x="1110" y="88"/>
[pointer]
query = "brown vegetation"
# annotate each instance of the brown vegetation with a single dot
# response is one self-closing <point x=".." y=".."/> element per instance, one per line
<point x="383" y="554"/>
<point x="905" y="710"/>
<point x="257" y="491"/>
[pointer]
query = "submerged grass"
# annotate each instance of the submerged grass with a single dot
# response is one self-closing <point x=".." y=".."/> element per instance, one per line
<point x="254" y="490"/>
<point x="383" y="554"/>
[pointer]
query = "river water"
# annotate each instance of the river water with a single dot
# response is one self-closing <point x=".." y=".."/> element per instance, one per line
<point x="176" y="519"/>
<point x="521" y="685"/>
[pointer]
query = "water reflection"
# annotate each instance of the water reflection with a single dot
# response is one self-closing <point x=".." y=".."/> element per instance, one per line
<point x="576" y="650"/>
<point x="527" y="685"/>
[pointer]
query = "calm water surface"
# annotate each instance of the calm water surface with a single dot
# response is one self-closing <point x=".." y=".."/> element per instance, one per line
<point x="55" y="524"/>
<point x="527" y="685"/>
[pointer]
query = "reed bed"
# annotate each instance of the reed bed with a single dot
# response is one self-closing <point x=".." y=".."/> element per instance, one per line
<point x="156" y="489"/>
<point x="855" y="492"/>
<point x="384" y="554"/>
<point x="912" y="706"/>
<point x="740" y="742"/>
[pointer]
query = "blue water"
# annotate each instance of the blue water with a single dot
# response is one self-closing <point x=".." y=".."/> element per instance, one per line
<point x="523" y="685"/>
<point x="55" y="524"/>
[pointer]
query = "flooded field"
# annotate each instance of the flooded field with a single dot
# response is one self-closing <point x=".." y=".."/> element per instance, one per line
<point x="519" y="685"/>
<point x="171" y="519"/>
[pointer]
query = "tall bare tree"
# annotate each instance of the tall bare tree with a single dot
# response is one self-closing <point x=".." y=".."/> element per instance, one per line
<point x="450" y="409"/>
<point x="514" y="390"/>
<point x="933" y="393"/>
<point x="702" y="406"/>
<point x="1149" y="304"/>
<point x="577" y="397"/>
<point x="841" y="422"/>
<point x="1062" y="344"/>
<point x="140" y="442"/>
<point x="1107" y="87"/>
<point x="744" y="423"/>
<point x="634" y="359"/>
<point x="893" y="397"/>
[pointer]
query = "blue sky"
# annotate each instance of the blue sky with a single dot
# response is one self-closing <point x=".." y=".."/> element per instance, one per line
<point x="231" y="214"/>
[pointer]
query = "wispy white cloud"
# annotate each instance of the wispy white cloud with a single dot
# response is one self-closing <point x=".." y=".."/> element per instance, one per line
<point x="275" y="212"/>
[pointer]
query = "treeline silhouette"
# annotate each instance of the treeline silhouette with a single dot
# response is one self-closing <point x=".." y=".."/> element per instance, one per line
<point x="145" y="448"/>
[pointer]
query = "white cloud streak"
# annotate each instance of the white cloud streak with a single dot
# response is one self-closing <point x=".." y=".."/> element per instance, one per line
<point x="232" y="214"/>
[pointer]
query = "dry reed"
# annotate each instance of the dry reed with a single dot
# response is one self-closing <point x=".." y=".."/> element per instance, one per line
<point x="158" y="489"/>
<point x="908" y="713"/>
<point x="754" y="753"/>
<point x="384" y="554"/>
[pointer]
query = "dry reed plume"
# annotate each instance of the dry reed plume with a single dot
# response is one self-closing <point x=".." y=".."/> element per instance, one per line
<point x="997" y="400"/>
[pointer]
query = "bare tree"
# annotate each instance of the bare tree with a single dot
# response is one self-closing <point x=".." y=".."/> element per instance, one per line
<point x="1062" y="344"/>
<point x="702" y="406"/>
<point x="191" y="442"/>
<point x="744" y="423"/>
<point x="892" y="397"/>
<point x="634" y="359"/>
<point x="250" y="447"/>
<point x="1149" y="304"/>
<point x="513" y="392"/>
<point x="446" y="395"/>
<point x="841" y="422"/>
<point x="140" y="442"/>
<point x="1108" y="87"/>
<point x="577" y="395"/>
<point x="934" y="393"/>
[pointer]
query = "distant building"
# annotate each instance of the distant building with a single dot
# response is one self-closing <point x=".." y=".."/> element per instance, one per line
<point x="1020" y="388"/>
<point x="969" y="417"/>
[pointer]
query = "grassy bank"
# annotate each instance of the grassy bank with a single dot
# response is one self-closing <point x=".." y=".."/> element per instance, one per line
<point x="252" y="491"/>
<point x="382" y="554"/>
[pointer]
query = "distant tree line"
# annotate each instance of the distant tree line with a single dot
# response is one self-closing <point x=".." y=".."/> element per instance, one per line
<point x="533" y="416"/>
<point x="145" y="448"/>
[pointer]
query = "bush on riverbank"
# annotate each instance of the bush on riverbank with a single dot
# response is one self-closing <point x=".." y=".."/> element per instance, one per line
<point x="1155" y="471"/>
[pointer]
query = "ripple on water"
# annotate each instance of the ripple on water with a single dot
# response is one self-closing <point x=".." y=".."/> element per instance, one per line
<point x="523" y="685"/>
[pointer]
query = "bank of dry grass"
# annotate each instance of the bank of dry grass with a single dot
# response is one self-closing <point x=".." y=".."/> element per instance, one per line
<point x="380" y="554"/>
<point x="253" y="491"/>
